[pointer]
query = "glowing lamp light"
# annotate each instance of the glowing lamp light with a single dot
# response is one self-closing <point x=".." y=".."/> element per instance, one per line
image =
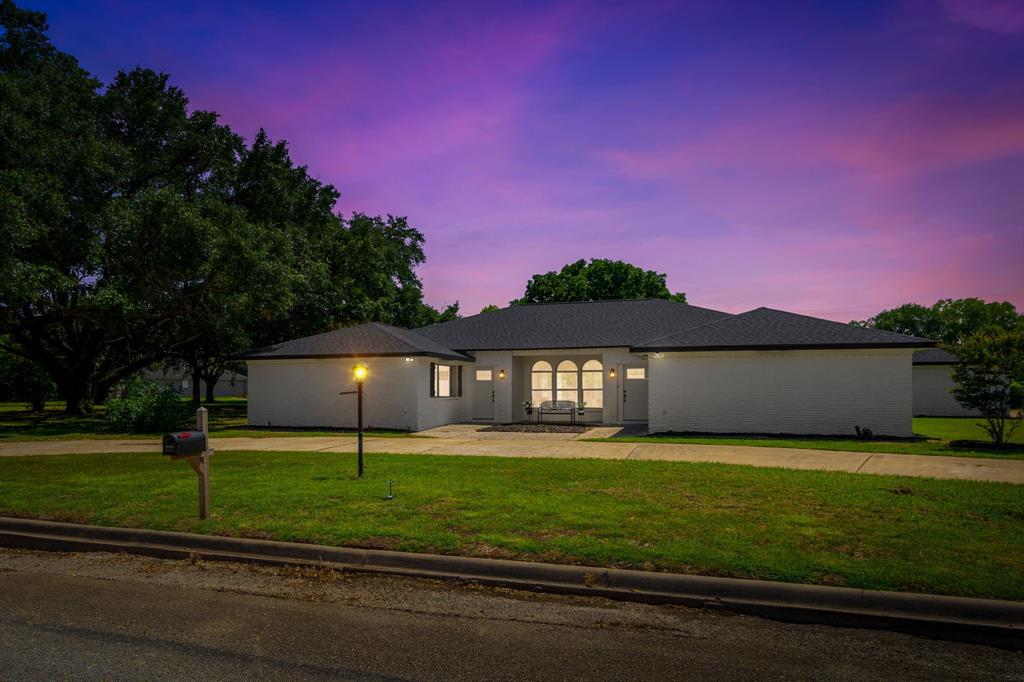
<point x="359" y="373"/>
<point x="501" y="374"/>
<point x="611" y="373"/>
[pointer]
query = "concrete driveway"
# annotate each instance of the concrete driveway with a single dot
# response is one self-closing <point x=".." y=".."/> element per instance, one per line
<point x="515" y="445"/>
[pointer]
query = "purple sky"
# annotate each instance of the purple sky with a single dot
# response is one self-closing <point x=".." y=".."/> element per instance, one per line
<point x="831" y="159"/>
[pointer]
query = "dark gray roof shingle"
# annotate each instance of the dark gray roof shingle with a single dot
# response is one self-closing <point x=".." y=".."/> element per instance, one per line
<point x="372" y="339"/>
<point x="589" y="324"/>
<point x="935" y="356"/>
<point x="765" y="328"/>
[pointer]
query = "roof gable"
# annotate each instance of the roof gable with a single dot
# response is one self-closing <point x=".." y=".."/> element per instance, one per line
<point x="372" y="339"/>
<point x="587" y="324"/>
<point x="766" y="328"/>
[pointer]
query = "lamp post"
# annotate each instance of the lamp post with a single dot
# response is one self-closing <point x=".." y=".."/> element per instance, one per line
<point x="359" y="373"/>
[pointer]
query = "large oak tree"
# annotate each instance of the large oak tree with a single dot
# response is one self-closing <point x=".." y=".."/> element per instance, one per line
<point x="597" y="280"/>
<point x="139" y="231"/>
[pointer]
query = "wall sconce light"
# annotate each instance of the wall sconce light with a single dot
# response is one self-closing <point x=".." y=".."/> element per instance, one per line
<point x="501" y="374"/>
<point x="611" y="373"/>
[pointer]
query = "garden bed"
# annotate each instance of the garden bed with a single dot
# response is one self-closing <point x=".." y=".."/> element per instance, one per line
<point x="538" y="428"/>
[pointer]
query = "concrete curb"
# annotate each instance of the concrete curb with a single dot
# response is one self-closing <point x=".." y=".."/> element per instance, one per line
<point x="992" y="622"/>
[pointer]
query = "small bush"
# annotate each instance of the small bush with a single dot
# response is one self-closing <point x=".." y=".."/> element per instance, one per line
<point x="144" y="407"/>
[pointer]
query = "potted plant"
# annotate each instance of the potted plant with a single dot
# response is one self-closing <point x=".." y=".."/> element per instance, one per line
<point x="580" y="407"/>
<point x="527" y="408"/>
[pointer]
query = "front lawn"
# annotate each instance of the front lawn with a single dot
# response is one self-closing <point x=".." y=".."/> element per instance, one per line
<point x="945" y="436"/>
<point x="878" y="532"/>
<point x="227" y="420"/>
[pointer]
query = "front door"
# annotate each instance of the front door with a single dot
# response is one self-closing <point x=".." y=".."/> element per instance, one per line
<point x="634" y="393"/>
<point x="483" y="393"/>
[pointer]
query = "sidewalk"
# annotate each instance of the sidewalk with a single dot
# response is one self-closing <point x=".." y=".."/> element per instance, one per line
<point x="980" y="469"/>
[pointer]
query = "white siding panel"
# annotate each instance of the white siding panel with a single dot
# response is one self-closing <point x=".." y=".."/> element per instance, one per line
<point x="439" y="411"/>
<point x="809" y="392"/>
<point x="932" y="396"/>
<point x="306" y="393"/>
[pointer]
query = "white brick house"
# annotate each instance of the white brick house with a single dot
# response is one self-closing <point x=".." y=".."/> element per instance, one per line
<point x="675" y="367"/>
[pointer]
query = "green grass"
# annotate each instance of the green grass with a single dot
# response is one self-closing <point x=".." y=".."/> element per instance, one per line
<point x="945" y="436"/>
<point x="878" y="532"/>
<point x="227" y="420"/>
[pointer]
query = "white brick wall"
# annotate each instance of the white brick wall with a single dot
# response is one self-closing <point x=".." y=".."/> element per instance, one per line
<point x="932" y="397"/>
<point x="306" y="393"/>
<point x="811" y="392"/>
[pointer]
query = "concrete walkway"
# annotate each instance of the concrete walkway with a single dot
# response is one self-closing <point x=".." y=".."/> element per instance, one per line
<point x="534" y="445"/>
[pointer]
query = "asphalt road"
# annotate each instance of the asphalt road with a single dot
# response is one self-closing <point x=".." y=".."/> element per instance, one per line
<point x="100" y="616"/>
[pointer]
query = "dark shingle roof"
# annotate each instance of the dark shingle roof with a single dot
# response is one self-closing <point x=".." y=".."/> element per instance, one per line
<point x="590" y="324"/>
<point x="372" y="339"/>
<point x="765" y="328"/>
<point x="934" y="356"/>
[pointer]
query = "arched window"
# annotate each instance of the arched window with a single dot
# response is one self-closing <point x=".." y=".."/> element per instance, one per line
<point x="567" y="381"/>
<point x="540" y="382"/>
<point x="593" y="383"/>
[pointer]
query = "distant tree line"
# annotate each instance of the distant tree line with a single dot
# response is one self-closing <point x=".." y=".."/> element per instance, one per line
<point x="988" y="340"/>
<point x="138" y="231"/>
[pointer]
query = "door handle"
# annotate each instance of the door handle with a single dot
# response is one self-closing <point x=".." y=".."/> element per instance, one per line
<point x="492" y="396"/>
<point x="623" y="395"/>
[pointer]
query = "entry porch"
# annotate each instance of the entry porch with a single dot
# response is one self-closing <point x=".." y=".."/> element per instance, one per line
<point x="511" y="386"/>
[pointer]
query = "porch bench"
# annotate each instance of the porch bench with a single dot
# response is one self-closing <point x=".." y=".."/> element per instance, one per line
<point x="557" y="407"/>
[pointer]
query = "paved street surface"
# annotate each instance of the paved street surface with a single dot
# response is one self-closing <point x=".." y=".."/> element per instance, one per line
<point x="102" y="616"/>
<point x="469" y="442"/>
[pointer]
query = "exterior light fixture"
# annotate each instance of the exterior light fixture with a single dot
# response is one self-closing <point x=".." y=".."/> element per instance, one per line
<point x="359" y="373"/>
<point x="611" y="373"/>
<point x="408" y="359"/>
<point x="501" y="374"/>
<point x="659" y="355"/>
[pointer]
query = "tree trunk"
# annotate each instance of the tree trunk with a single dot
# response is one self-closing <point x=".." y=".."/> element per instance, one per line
<point x="211" y="379"/>
<point x="102" y="392"/>
<point x="196" y="395"/>
<point x="77" y="396"/>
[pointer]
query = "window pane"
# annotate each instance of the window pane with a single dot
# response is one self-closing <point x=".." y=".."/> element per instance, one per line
<point x="568" y="380"/>
<point x="567" y="366"/>
<point x="444" y="381"/>
<point x="541" y="366"/>
<point x="541" y="380"/>
<point x="593" y="379"/>
<point x="483" y="375"/>
<point x="540" y="396"/>
<point x="593" y="398"/>
<point x="592" y="365"/>
<point x="636" y="373"/>
<point x="568" y="395"/>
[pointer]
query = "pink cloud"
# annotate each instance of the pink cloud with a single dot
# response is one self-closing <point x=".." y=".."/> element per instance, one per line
<point x="999" y="16"/>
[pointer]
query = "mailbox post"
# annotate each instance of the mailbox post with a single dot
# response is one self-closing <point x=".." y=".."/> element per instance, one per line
<point x="194" y="447"/>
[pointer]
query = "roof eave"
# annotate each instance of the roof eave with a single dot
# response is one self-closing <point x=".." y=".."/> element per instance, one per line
<point x="327" y="356"/>
<point x="788" y="346"/>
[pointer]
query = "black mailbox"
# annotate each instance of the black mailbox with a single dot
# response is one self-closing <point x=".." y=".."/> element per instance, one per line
<point x="185" y="443"/>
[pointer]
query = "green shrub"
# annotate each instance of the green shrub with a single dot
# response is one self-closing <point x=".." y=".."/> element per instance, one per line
<point x="144" y="407"/>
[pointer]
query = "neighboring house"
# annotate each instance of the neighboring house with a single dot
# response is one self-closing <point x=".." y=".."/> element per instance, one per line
<point x="231" y="384"/>
<point x="933" y="385"/>
<point x="673" y="366"/>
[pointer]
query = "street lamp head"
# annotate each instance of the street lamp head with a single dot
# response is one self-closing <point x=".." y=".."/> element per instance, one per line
<point x="359" y="372"/>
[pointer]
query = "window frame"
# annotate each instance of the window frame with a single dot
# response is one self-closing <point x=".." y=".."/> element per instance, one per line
<point x="454" y="380"/>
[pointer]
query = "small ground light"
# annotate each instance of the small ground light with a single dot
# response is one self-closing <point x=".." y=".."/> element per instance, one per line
<point x="391" y="494"/>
